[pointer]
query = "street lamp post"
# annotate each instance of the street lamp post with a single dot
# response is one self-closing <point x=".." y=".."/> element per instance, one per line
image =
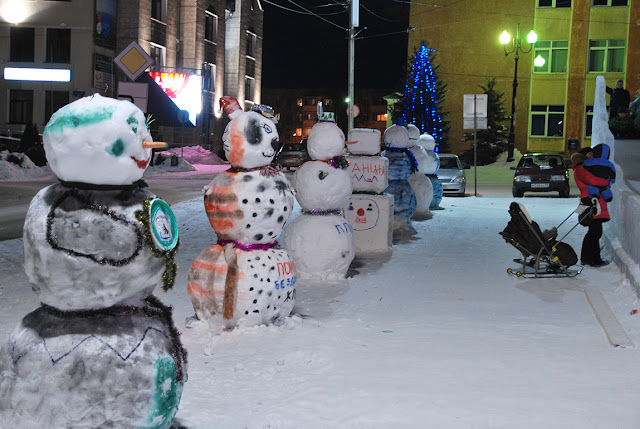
<point x="516" y="47"/>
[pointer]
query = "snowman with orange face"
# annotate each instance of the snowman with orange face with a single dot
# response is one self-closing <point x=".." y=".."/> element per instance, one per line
<point x="245" y="279"/>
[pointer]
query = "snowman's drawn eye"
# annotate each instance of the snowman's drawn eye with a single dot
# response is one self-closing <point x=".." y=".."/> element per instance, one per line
<point x="267" y="128"/>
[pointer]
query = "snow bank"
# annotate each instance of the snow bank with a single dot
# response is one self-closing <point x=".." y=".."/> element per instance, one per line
<point x="18" y="166"/>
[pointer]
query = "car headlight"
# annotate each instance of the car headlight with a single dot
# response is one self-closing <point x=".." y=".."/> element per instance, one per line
<point x="458" y="179"/>
<point x="522" y="179"/>
<point x="557" y="178"/>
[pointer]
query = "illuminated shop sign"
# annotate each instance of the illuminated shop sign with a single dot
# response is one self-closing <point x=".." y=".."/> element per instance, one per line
<point x="185" y="91"/>
<point x="41" y="75"/>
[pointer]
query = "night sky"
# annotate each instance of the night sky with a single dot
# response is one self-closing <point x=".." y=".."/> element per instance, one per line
<point x="303" y="51"/>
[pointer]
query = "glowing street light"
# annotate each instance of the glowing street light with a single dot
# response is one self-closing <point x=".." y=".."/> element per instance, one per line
<point x="539" y="61"/>
<point x="516" y="46"/>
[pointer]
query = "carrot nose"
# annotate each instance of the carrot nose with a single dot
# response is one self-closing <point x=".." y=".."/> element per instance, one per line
<point x="351" y="142"/>
<point x="154" y="145"/>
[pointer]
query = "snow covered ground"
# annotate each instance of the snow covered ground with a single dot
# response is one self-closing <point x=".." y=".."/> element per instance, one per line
<point x="439" y="336"/>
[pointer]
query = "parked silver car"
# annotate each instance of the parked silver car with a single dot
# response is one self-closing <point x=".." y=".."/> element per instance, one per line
<point x="451" y="174"/>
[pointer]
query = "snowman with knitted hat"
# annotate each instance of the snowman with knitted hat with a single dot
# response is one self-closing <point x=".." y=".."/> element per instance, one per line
<point x="101" y="350"/>
<point x="402" y="164"/>
<point x="419" y="182"/>
<point x="245" y="279"/>
<point x="320" y="239"/>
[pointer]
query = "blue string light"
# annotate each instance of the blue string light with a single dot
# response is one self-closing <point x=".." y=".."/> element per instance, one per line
<point x="420" y="89"/>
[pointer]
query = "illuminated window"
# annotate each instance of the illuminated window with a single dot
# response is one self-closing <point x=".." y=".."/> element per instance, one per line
<point x="20" y="106"/>
<point x="555" y="53"/>
<point x="381" y="118"/>
<point x="54" y="100"/>
<point x="22" y="44"/>
<point x="554" y="3"/>
<point x="58" y="45"/>
<point x="547" y="121"/>
<point x="306" y="131"/>
<point x="606" y="55"/>
<point x="210" y="26"/>
<point x="299" y="102"/>
<point x="328" y="102"/>
<point x="298" y="132"/>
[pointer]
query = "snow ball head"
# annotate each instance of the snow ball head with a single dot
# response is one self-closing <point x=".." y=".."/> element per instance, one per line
<point x="320" y="186"/>
<point x="250" y="140"/>
<point x="396" y="136"/>
<point x="427" y="142"/>
<point x="325" y="141"/>
<point x="98" y="140"/>
<point x="414" y="134"/>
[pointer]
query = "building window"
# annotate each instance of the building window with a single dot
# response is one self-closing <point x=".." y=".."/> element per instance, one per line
<point x="299" y="117"/>
<point x="159" y="54"/>
<point x="299" y="102"/>
<point x="298" y="132"/>
<point x="251" y="44"/>
<point x="547" y="121"/>
<point x="610" y="2"/>
<point x="328" y="102"/>
<point x="159" y="10"/>
<point x="20" y="106"/>
<point x="606" y="55"/>
<point x="588" y="120"/>
<point x="54" y="100"/>
<point x="555" y="53"/>
<point x="210" y="26"/>
<point x="309" y="101"/>
<point x="209" y="77"/>
<point x="249" y="86"/>
<point x="306" y="132"/>
<point x="22" y="44"/>
<point x="381" y="118"/>
<point x="58" y="45"/>
<point x="554" y="3"/>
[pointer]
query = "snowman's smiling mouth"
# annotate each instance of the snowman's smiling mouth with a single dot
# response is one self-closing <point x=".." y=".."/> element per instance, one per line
<point x="140" y="163"/>
<point x="268" y="154"/>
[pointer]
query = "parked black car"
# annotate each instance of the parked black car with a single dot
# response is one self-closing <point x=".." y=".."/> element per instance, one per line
<point x="541" y="172"/>
<point x="293" y="155"/>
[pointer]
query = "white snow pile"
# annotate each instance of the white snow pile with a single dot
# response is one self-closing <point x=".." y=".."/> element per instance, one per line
<point x="18" y="166"/>
<point x="194" y="155"/>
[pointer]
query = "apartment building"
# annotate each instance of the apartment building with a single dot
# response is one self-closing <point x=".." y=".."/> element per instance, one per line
<point x="54" y="52"/>
<point x="577" y="39"/>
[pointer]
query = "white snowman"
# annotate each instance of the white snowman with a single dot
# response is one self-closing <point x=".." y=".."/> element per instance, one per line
<point x="420" y="183"/>
<point x="430" y="168"/>
<point x="320" y="239"/>
<point x="101" y="351"/>
<point x="245" y="279"/>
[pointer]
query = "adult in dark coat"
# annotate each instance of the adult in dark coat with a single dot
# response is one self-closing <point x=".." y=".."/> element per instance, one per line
<point x="590" y="253"/>
<point x="620" y="97"/>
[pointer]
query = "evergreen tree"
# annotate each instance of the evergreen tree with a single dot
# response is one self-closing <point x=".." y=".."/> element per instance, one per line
<point x="423" y="97"/>
<point x="490" y="143"/>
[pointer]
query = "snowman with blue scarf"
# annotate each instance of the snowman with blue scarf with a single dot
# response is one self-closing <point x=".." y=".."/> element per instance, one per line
<point x="402" y="164"/>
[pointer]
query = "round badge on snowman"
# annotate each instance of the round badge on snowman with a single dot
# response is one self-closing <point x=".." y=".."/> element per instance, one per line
<point x="164" y="227"/>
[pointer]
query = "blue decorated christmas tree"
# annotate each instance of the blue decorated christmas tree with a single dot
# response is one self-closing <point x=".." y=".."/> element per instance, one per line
<point x="423" y="96"/>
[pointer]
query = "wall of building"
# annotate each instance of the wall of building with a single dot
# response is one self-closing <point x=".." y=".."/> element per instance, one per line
<point x="78" y="17"/>
<point x="465" y="36"/>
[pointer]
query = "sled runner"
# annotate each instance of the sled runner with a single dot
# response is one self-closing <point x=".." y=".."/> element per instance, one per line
<point x="543" y="255"/>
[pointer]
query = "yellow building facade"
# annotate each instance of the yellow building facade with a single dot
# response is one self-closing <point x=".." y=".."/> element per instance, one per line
<point x="579" y="40"/>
